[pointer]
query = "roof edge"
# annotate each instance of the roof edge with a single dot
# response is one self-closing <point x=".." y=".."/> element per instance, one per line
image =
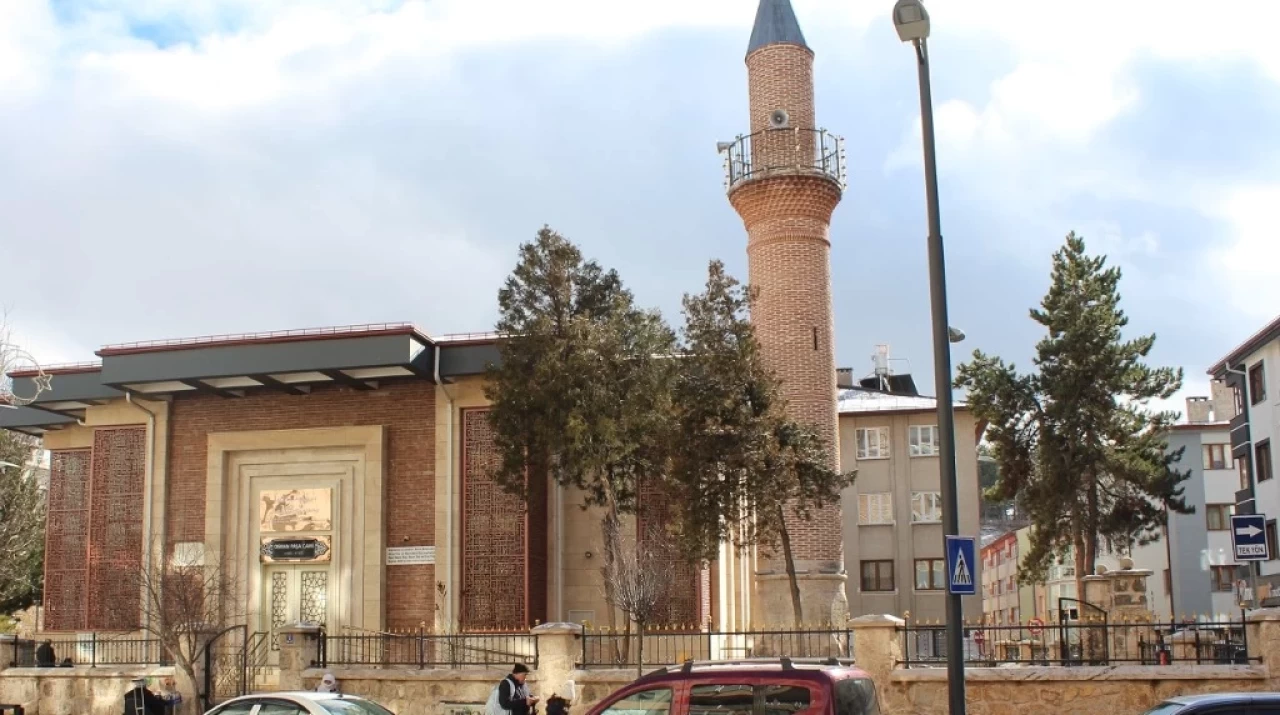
<point x="1269" y="332"/>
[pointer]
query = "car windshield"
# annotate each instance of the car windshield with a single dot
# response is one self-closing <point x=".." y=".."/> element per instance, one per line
<point x="1165" y="709"/>
<point x="353" y="706"/>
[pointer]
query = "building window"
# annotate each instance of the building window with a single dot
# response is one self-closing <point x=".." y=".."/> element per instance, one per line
<point x="873" y="442"/>
<point x="1271" y="539"/>
<point x="1219" y="516"/>
<point x="1223" y="578"/>
<point x="1217" y="456"/>
<point x="930" y="574"/>
<point x="1257" y="384"/>
<point x="1168" y="581"/>
<point x="1243" y="466"/>
<point x="926" y="507"/>
<point x="923" y="440"/>
<point x="875" y="508"/>
<point x="1262" y="460"/>
<point x="877" y="576"/>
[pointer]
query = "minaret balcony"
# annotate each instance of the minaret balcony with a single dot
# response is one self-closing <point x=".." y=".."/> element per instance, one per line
<point x="785" y="151"/>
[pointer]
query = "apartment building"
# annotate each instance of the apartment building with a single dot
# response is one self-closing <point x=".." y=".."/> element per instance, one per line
<point x="1004" y="600"/>
<point x="1202" y="577"/>
<point x="1252" y="373"/>
<point x="893" y="541"/>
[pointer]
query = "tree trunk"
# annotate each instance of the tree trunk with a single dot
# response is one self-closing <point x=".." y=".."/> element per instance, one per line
<point x="789" y="559"/>
<point x="609" y="528"/>
<point x="639" y="648"/>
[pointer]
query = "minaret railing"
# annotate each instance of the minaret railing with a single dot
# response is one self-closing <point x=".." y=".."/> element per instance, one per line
<point x="784" y="151"/>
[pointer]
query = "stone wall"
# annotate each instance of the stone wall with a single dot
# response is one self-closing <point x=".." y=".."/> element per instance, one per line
<point x="1012" y="690"/>
<point x="1009" y="690"/>
<point x="72" y="691"/>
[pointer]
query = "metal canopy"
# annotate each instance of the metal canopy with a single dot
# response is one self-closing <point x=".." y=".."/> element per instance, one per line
<point x="229" y="368"/>
<point x="285" y="361"/>
<point x="32" y="421"/>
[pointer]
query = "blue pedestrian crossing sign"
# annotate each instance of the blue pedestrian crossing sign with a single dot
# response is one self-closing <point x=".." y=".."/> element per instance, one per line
<point x="1249" y="537"/>
<point x="962" y="553"/>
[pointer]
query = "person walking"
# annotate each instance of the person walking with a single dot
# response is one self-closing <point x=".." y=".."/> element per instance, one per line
<point x="512" y="696"/>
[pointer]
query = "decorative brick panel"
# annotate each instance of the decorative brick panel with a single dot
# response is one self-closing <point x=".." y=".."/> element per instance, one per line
<point x="406" y="411"/>
<point x="66" y="571"/>
<point x="496" y="563"/>
<point x="681" y="605"/>
<point x="115" y="528"/>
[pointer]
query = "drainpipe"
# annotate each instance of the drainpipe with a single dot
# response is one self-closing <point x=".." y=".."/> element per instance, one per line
<point x="448" y="519"/>
<point x="146" y="496"/>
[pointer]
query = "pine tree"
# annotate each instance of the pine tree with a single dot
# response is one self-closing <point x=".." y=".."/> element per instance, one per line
<point x="1076" y="444"/>
<point x="583" y="391"/>
<point x="22" y="510"/>
<point x="743" y="472"/>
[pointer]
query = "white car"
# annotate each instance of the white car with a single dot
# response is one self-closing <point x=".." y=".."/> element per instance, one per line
<point x="300" y="703"/>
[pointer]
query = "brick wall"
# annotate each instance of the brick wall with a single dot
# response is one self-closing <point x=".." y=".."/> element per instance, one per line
<point x="406" y="411"/>
<point x="787" y="218"/>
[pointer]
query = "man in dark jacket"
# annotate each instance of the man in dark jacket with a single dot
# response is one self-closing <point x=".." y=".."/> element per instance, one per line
<point x="513" y="694"/>
<point x="44" y="655"/>
<point x="140" y="699"/>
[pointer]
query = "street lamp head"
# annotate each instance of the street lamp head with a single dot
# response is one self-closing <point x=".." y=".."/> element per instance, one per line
<point x="911" y="20"/>
<point x="955" y="334"/>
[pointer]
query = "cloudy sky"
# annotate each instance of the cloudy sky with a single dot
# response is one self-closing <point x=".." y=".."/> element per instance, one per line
<point x="183" y="167"/>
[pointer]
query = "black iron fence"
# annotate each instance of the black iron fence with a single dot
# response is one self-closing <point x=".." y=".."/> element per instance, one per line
<point x="617" y="649"/>
<point x="1087" y="642"/>
<point x="89" y="649"/>
<point x="429" y="650"/>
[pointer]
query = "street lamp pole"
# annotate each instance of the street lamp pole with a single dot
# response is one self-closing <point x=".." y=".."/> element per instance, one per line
<point x="912" y="23"/>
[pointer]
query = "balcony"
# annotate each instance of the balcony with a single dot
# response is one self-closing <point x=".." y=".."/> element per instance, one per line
<point x="783" y="152"/>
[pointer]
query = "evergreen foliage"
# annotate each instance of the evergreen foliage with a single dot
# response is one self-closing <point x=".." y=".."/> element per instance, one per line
<point x="1077" y="446"/>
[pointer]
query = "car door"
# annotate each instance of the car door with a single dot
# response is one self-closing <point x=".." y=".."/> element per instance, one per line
<point x="658" y="699"/>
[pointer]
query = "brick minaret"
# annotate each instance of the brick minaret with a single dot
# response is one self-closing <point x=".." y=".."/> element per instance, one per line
<point x="784" y="180"/>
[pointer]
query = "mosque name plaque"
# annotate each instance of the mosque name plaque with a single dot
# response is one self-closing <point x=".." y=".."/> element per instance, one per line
<point x="298" y="548"/>
<point x="410" y="555"/>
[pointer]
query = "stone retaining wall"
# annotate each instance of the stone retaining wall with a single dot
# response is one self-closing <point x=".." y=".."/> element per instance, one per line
<point x="72" y="691"/>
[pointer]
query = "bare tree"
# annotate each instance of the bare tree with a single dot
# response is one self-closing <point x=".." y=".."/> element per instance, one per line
<point x="185" y="598"/>
<point x="638" y="577"/>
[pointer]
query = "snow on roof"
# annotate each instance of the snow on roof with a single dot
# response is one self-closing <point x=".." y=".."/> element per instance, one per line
<point x="855" y="400"/>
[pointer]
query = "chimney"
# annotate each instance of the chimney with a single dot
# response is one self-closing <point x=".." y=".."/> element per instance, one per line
<point x="1199" y="410"/>
<point x="1224" y="401"/>
<point x="844" y="378"/>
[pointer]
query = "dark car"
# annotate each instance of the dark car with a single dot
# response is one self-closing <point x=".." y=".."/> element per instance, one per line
<point x="752" y="687"/>
<point x="1220" y="704"/>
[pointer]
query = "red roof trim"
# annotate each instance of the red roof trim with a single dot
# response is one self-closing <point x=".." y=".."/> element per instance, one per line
<point x="68" y="368"/>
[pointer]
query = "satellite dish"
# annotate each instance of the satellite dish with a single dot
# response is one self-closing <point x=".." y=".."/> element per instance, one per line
<point x="779" y="119"/>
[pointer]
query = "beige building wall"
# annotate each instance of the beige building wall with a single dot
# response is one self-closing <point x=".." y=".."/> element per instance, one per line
<point x="899" y="539"/>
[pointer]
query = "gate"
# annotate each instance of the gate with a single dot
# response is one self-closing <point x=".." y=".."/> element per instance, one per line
<point x="226" y="666"/>
<point x="1082" y="633"/>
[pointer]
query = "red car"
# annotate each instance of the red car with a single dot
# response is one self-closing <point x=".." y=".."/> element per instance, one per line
<point x="753" y="687"/>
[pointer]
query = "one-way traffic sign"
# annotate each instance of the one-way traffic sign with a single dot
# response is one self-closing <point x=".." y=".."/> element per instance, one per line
<point x="1249" y="537"/>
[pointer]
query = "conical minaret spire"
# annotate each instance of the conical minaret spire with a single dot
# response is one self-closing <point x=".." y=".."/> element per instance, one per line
<point x="776" y="24"/>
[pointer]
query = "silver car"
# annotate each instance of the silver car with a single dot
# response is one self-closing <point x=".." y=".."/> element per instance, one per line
<point x="300" y="703"/>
